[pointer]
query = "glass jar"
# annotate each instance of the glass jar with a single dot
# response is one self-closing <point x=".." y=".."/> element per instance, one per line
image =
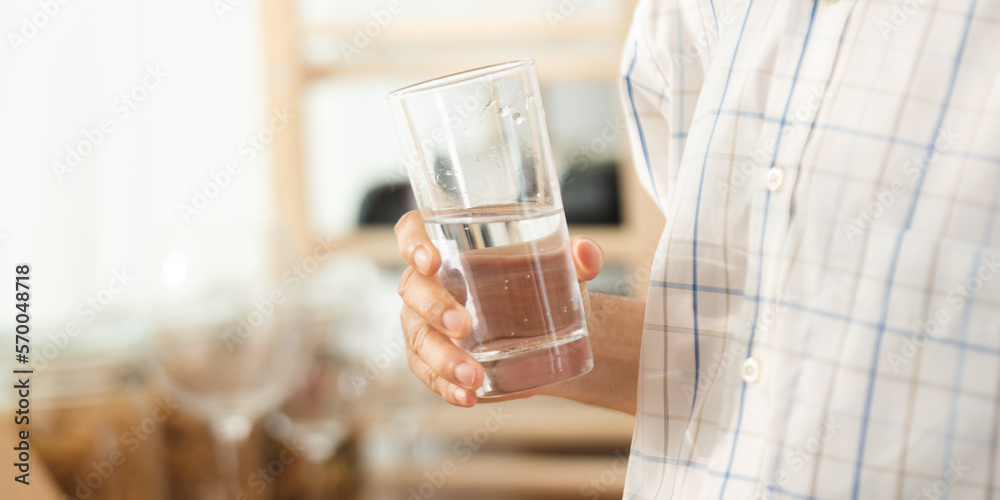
<point x="93" y="424"/>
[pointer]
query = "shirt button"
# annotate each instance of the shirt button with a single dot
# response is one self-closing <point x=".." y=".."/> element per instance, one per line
<point x="751" y="370"/>
<point x="775" y="177"/>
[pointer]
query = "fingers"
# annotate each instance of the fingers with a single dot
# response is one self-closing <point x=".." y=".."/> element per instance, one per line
<point x="414" y="245"/>
<point x="588" y="257"/>
<point x="451" y="393"/>
<point x="434" y="304"/>
<point x="439" y="363"/>
<point x="433" y="320"/>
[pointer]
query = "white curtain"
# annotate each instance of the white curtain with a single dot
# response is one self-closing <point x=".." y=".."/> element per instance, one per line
<point x="152" y="97"/>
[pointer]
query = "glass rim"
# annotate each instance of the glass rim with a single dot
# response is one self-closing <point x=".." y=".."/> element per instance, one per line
<point x="455" y="79"/>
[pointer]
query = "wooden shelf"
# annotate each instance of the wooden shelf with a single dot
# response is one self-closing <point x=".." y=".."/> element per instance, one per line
<point x="478" y="30"/>
<point x="520" y="477"/>
<point x="583" y="48"/>
<point x="538" y="423"/>
<point x="546" y="448"/>
<point x="553" y="65"/>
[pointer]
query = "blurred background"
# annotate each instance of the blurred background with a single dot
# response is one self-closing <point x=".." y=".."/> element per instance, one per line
<point x="205" y="192"/>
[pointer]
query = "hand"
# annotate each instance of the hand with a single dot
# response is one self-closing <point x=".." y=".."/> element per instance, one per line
<point x="434" y="322"/>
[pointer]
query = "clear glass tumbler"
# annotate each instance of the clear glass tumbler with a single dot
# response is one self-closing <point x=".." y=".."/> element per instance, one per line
<point x="480" y="163"/>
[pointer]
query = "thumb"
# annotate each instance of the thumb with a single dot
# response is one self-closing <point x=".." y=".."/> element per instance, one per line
<point x="587" y="256"/>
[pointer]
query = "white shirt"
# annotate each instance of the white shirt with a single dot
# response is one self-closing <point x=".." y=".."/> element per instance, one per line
<point x="823" y="317"/>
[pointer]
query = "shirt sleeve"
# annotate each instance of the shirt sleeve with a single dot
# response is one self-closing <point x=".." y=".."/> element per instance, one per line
<point x="663" y="68"/>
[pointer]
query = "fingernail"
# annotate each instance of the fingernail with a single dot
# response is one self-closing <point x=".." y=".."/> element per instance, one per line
<point x="461" y="396"/>
<point x="454" y="321"/>
<point x="423" y="259"/>
<point x="597" y="250"/>
<point x="465" y="374"/>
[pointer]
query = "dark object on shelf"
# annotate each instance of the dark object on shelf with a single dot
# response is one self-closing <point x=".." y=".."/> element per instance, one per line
<point x="590" y="194"/>
<point x="385" y="204"/>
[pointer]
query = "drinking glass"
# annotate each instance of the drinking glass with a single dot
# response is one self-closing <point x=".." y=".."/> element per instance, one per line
<point x="480" y="163"/>
<point x="337" y="309"/>
<point x="226" y="345"/>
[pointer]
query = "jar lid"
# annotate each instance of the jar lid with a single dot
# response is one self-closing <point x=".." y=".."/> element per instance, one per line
<point x="99" y="357"/>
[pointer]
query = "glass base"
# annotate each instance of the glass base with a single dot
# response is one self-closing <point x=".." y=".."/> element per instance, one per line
<point x="513" y="372"/>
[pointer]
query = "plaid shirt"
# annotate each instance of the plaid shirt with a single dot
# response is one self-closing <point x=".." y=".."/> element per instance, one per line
<point x="823" y="317"/>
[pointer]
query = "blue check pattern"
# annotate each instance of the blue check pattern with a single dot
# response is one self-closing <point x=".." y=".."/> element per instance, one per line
<point x="823" y="318"/>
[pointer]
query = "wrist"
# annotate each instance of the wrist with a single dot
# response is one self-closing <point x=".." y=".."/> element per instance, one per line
<point x="615" y="332"/>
